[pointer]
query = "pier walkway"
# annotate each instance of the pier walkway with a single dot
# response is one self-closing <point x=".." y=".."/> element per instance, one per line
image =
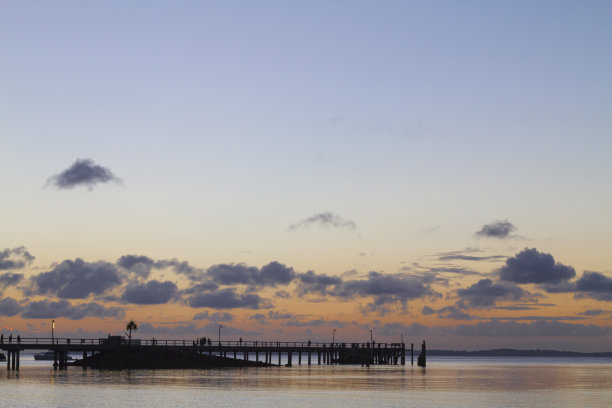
<point x="265" y="351"/>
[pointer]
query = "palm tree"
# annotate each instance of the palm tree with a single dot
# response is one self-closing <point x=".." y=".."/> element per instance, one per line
<point x="132" y="325"/>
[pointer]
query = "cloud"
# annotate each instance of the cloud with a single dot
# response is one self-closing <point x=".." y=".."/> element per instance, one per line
<point x="311" y="282"/>
<point x="594" y="312"/>
<point x="9" y="307"/>
<point x="496" y="229"/>
<point x="595" y="285"/>
<point x="76" y="279"/>
<point x="326" y="219"/>
<point x="83" y="172"/>
<point x="138" y="264"/>
<point x="535" y="329"/>
<point x="486" y="293"/>
<point x="215" y="317"/>
<point x="228" y="299"/>
<point x="459" y="257"/>
<point x="9" y="279"/>
<point x="150" y="293"/>
<point x="46" y="309"/>
<point x="15" y="258"/>
<point x="271" y="275"/>
<point x="531" y="266"/>
<point x="448" y="312"/>
<point x="385" y="289"/>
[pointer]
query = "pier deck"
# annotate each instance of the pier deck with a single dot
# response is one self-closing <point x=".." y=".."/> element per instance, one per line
<point x="265" y="351"/>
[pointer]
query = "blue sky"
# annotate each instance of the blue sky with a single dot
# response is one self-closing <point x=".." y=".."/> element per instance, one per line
<point x="227" y="122"/>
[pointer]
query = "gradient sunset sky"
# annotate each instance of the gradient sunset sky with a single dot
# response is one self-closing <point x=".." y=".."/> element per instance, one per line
<point x="439" y="170"/>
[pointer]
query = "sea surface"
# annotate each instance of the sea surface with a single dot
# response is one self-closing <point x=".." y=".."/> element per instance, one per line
<point x="446" y="382"/>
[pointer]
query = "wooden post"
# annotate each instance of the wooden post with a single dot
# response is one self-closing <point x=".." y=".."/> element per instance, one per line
<point x="411" y="354"/>
<point x="279" y="356"/>
<point x="309" y="362"/>
<point x="17" y="353"/>
<point x="8" y="360"/>
<point x="422" y="360"/>
<point x="403" y="355"/>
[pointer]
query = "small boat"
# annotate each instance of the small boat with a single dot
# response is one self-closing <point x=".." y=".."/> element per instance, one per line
<point x="48" y="355"/>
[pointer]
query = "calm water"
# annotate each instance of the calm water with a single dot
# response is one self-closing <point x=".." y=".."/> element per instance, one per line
<point x="457" y="382"/>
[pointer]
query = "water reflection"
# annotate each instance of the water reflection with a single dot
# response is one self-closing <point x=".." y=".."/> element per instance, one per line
<point x="454" y="383"/>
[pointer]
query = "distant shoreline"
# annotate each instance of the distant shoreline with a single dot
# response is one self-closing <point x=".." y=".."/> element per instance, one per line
<point x="514" y="353"/>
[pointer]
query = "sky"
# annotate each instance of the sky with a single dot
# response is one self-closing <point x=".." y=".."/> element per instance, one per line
<point x="432" y="170"/>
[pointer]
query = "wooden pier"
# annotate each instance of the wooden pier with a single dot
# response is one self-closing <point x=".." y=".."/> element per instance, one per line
<point x="270" y="352"/>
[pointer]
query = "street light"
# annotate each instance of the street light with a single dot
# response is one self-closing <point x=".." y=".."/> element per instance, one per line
<point x="333" y="337"/>
<point x="371" y="338"/>
<point x="220" y="326"/>
<point x="52" y="331"/>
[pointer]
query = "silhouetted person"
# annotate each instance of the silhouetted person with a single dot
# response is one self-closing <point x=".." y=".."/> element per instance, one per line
<point x="2" y="338"/>
<point x="308" y="343"/>
<point x="18" y="339"/>
<point x="241" y="341"/>
<point x="209" y="342"/>
<point x="11" y="338"/>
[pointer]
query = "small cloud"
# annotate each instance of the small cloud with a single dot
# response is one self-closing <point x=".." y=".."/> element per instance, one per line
<point x="486" y="293"/>
<point x="83" y="172"/>
<point x="496" y="229"/>
<point x="595" y="285"/>
<point x="214" y="317"/>
<point x="531" y="266"/>
<point x="326" y="219"/>
<point x="15" y="258"/>
<point x="150" y="293"/>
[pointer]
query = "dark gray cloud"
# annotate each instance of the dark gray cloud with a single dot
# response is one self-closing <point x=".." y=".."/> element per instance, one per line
<point x="496" y="229"/>
<point x="311" y="282"/>
<point x="274" y="315"/>
<point x="282" y="294"/>
<point x="83" y="172"/>
<point x="76" y="279"/>
<point x="460" y="257"/>
<point x="9" y="307"/>
<point x="215" y="317"/>
<point x="140" y="265"/>
<point x="46" y="309"/>
<point x="15" y="258"/>
<point x="228" y="299"/>
<point x="486" y="293"/>
<point x="448" y="312"/>
<point x="539" y="328"/>
<point x="531" y="266"/>
<point x="595" y="285"/>
<point x="326" y="219"/>
<point x="271" y="275"/>
<point x="386" y="288"/>
<point x="9" y="279"/>
<point x="151" y="293"/>
<point x="594" y="312"/>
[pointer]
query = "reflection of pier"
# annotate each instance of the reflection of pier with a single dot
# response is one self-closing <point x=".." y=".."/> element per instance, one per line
<point x="269" y="352"/>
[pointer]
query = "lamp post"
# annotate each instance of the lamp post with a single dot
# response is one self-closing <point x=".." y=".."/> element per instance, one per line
<point x="52" y="331"/>
<point x="333" y="337"/>
<point x="220" y="326"/>
<point x="371" y="338"/>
